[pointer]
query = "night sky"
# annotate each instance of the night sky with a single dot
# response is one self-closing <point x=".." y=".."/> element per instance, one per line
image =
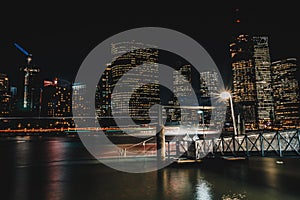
<point x="61" y="36"/>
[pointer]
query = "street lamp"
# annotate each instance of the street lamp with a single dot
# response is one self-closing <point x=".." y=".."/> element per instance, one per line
<point x="202" y="117"/>
<point x="226" y="95"/>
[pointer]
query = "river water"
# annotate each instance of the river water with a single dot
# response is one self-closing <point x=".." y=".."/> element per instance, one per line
<point x="61" y="168"/>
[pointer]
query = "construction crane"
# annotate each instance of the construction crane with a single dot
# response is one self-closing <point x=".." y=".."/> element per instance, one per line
<point x="28" y="55"/>
<point x="30" y="89"/>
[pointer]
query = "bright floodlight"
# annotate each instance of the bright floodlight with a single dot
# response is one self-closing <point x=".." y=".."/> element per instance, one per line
<point x="199" y="111"/>
<point x="225" y="95"/>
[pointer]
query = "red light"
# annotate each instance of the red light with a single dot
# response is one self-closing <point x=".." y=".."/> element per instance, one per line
<point x="47" y="83"/>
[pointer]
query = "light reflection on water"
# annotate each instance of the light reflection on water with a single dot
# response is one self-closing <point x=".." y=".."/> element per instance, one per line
<point x="56" y="151"/>
<point x="61" y="168"/>
<point x="203" y="191"/>
<point x="20" y="179"/>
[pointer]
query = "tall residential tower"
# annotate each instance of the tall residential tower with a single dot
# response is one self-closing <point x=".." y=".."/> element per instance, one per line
<point x="286" y="93"/>
<point x="144" y="97"/>
<point x="265" y="104"/>
<point x="244" y="87"/>
<point x="252" y="90"/>
<point x="5" y="96"/>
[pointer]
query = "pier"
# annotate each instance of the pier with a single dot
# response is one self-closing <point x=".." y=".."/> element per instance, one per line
<point x="264" y="144"/>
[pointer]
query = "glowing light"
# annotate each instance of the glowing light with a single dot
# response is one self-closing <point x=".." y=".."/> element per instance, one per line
<point x="225" y="95"/>
<point x="29" y="59"/>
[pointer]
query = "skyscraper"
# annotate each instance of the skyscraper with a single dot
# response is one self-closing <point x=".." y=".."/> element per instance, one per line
<point x="56" y="98"/>
<point x="182" y="87"/>
<point x="210" y="88"/>
<point x="252" y="90"/>
<point x="145" y="96"/>
<point x="14" y="100"/>
<point x="182" y="109"/>
<point x="5" y="96"/>
<point x="286" y="93"/>
<point x="80" y="102"/>
<point x="263" y="82"/>
<point x="244" y="82"/>
<point x="103" y="94"/>
<point x="209" y="83"/>
<point x="182" y="79"/>
<point x="56" y="103"/>
<point x="4" y="83"/>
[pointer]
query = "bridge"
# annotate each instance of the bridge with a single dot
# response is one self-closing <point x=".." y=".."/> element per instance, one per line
<point x="197" y="146"/>
<point x="254" y="144"/>
<point x="264" y="144"/>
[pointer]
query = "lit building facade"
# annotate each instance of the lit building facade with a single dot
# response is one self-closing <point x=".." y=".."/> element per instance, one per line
<point x="80" y="102"/>
<point x="210" y="88"/>
<point x="209" y="83"/>
<point x="182" y="87"/>
<point x="265" y="103"/>
<point x="244" y="82"/>
<point x="103" y="94"/>
<point x="56" y="103"/>
<point x="56" y="99"/>
<point x="182" y="91"/>
<point x="181" y="109"/>
<point x="4" y="83"/>
<point x="144" y="97"/>
<point x="5" y="96"/>
<point x="286" y="93"/>
<point x="252" y="84"/>
<point x="14" y="100"/>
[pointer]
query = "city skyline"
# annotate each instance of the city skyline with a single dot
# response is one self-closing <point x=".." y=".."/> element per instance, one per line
<point x="259" y="101"/>
<point x="59" y="50"/>
<point x="118" y="100"/>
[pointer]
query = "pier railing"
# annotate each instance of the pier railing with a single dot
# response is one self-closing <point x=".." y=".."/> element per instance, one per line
<point x="265" y="144"/>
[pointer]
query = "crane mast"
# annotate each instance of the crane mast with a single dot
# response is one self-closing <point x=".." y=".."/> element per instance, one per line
<point x="29" y="87"/>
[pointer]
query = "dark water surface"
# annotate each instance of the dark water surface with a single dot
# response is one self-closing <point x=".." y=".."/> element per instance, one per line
<point x="61" y="168"/>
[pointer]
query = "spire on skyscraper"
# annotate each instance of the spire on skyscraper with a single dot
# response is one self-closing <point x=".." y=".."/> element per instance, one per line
<point x="237" y="18"/>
